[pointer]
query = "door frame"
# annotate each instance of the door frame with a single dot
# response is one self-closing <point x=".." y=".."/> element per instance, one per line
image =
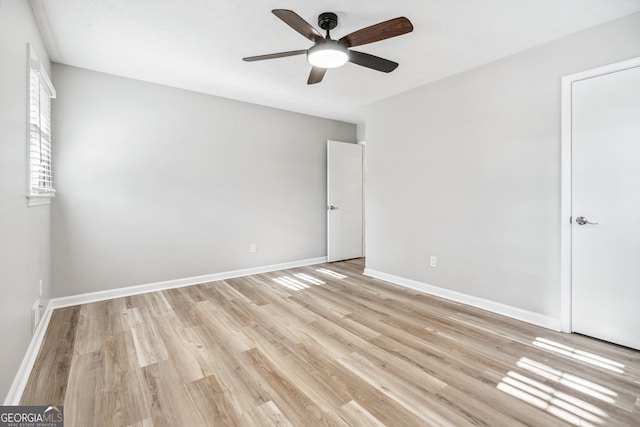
<point x="362" y="144"/>
<point x="565" y="185"/>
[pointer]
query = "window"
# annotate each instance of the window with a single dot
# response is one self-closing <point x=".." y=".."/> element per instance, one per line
<point x="40" y="157"/>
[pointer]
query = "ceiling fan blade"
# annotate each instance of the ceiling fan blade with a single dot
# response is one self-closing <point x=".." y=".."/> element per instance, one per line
<point x="383" y="30"/>
<point x="294" y="20"/>
<point x="274" y="55"/>
<point x="316" y="75"/>
<point x="371" y="61"/>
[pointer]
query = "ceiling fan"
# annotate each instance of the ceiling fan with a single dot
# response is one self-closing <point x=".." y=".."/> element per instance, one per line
<point x="328" y="53"/>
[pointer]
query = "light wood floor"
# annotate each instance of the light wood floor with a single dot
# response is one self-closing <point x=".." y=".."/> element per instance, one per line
<point x="322" y="346"/>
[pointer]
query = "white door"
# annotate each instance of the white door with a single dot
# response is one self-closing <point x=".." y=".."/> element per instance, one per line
<point x="344" y="201"/>
<point x="605" y="231"/>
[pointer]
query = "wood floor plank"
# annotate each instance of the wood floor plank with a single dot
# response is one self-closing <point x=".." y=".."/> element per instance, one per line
<point x="185" y="349"/>
<point x="150" y="348"/>
<point x="168" y="399"/>
<point x="83" y="401"/>
<point x="229" y="292"/>
<point x="244" y="390"/>
<point x="322" y="345"/>
<point x="50" y="374"/>
<point x="270" y="415"/>
<point x="124" y="398"/>
<point x="213" y="402"/>
<point x="182" y="303"/>
<point x="157" y="304"/>
<point x="144" y="423"/>
<point x="298" y="407"/>
<point x="91" y="327"/>
<point x="356" y="415"/>
<point x="228" y="332"/>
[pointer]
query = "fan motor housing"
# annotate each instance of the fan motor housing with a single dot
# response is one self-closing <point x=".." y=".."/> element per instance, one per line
<point x="328" y="20"/>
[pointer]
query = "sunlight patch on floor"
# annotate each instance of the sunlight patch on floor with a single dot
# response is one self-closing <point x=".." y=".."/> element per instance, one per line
<point x="568" y="408"/>
<point x="593" y="359"/>
<point x="291" y="283"/>
<point x="535" y="383"/>
<point x="331" y="273"/>
<point x="310" y="279"/>
<point x="299" y="282"/>
<point x="573" y="381"/>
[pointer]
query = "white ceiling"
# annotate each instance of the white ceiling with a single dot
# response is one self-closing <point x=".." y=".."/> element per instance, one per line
<point x="198" y="44"/>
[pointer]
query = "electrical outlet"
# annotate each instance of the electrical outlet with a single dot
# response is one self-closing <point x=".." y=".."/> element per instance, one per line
<point x="252" y="248"/>
<point x="433" y="262"/>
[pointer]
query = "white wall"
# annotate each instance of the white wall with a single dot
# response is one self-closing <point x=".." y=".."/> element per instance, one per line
<point x="468" y="169"/>
<point x="156" y="183"/>
<point x="24" y="232"/>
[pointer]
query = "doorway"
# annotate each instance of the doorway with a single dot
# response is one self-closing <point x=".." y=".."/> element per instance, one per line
<point x="600" y="239"/>
<point x="345" y="205"/>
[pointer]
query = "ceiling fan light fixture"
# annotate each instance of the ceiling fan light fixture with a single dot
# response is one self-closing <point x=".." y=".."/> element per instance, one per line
<point x="328" y="54"/>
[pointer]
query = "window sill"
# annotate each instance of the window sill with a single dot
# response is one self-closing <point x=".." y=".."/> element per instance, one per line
<point x="39" y="199"/>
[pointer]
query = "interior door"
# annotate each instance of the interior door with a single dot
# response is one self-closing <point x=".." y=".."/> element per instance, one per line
<point x="605" y="242"/>
<point x="344" y="201"/>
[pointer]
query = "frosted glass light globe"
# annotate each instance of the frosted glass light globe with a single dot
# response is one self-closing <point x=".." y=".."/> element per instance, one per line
<point x="328" y="54"/>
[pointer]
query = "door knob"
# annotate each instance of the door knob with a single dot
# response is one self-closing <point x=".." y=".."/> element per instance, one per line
<point x="333" y="208"/>
<point x="582" y="221"/>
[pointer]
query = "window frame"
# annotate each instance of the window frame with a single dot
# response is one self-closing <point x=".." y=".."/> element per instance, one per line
<point x="39" y="142"/>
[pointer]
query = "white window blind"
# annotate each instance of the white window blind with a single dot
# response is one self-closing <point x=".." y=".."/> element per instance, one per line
<point x="40" y="148"/>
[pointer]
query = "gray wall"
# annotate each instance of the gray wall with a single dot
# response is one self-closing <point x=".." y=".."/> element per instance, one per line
<point x="468" y="169"/>
<point x="156" y="183"/>
<point x="24" y="232"/>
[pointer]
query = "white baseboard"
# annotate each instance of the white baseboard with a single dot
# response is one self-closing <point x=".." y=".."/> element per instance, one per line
<point x="20" y="381"/>
<point x="177" y="283"/>
<point x="492" y="306"/>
